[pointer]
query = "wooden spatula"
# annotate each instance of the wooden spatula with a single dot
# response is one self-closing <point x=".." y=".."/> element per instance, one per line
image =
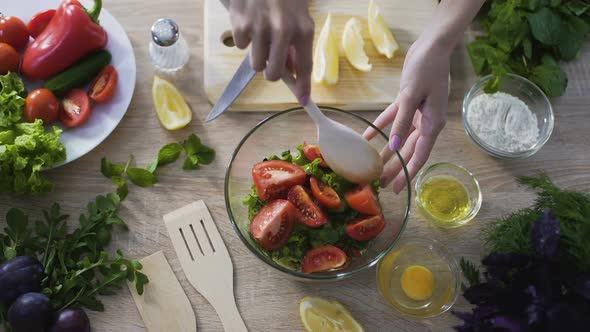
<point x="163" y="306"/>
<point x="205" y="260"/>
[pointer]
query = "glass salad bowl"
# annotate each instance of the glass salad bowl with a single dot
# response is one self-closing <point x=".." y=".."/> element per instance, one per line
<point x="286" y="131"/>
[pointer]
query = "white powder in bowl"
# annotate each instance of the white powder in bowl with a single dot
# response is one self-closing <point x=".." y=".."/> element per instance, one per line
<point x="503" y="121"/>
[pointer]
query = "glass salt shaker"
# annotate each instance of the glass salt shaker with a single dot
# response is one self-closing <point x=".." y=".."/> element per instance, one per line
<point x="168" y="49"/>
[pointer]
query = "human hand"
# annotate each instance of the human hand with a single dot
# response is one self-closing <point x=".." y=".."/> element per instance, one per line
<point x="418" y="114"/>
<point x="277" y="30"/>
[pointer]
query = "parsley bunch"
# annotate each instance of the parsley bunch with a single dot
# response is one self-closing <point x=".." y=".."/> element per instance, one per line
<point x="77" y="269"/>
<point x="529" y="37"/>
<point x="196" y="154"/>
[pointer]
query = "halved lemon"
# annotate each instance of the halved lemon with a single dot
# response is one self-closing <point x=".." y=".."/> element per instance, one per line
<point x="353" y="45"/>
<point x="320" y="315"/>
<point x="380" y="34"/>
<point x="325" y="56"/>
<point x="171" y="107"/>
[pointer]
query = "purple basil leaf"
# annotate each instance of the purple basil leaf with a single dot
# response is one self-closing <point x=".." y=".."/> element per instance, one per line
<point x="580" y="284"/>
<point x="480" y="293"/>
<point x="535" y="308"/>
<point x="545" y="235"/>
<point x="483" y="312"/>
<point x="500" y="265"/>
<point x="508" y="323"/>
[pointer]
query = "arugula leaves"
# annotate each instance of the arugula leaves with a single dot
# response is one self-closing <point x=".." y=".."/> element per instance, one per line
<point x="196" y="154"/>
<point x="523" y="35"/>
<point x="78" y="270"/>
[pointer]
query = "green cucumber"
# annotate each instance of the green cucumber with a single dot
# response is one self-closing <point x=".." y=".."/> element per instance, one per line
<point x="78" y="74"/>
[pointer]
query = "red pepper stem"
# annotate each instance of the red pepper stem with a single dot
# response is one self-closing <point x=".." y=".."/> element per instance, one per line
<point x="95" y="11"/>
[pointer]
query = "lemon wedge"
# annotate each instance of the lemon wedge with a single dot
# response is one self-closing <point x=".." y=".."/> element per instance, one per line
<point x="353" y="45"/>
<point x="325" y="57"/>
<point x="380" y="34"/>
<point x="171" y="107"/>
<point x="320" y="315"/>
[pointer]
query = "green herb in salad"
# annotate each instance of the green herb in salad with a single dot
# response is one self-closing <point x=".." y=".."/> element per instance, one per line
<point x="196" y="154"/>
<point x="12" y="99"/>
<point x="77" y="269"/>
<point x="528" y="38"/>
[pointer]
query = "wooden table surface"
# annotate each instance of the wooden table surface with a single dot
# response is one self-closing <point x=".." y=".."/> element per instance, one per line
<point x="267" y="299"/>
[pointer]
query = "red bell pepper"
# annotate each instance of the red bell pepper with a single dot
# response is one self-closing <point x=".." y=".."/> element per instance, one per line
<point x="71" y="35"/>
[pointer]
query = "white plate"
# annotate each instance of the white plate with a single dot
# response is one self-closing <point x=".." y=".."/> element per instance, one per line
<point x="105" y="117"/>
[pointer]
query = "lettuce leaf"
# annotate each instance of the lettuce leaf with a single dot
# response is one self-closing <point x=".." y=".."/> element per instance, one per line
<point x="25" y="150"/>
<point x="12" y="99"/>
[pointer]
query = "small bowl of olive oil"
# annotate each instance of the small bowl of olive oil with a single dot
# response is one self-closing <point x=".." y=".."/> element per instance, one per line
<point x="447" y="195"/>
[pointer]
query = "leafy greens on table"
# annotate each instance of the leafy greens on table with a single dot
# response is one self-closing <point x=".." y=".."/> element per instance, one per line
<point x="529" y="37"/>
<point x="537" y="276"/>
<point x="76" y="266"/>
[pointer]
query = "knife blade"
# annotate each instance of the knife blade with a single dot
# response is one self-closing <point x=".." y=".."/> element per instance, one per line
<point x="238" y="83"/>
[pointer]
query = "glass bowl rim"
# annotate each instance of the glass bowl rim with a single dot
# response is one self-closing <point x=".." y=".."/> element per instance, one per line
<point x="450" y="259"/>
<point x="298" y="274"/>
<point x="474" y="211"/>
<point x="492" y="150"/>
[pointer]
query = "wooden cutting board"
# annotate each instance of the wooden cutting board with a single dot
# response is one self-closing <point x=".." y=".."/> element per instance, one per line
<point x="355" y="90"/>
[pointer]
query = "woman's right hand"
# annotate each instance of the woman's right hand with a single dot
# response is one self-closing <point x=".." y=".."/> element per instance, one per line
<point x="277" y="30"/>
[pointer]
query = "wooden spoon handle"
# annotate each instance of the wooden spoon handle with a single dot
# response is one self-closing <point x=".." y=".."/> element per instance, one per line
<point x="230" y="316"/>
<point x="312" y="109"/>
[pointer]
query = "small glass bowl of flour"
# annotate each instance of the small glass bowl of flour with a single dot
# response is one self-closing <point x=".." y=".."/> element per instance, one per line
<point x="513" y="123"/>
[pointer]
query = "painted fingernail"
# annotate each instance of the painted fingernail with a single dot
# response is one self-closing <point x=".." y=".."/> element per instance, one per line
<point x="395" y="142"/>
<point x="304" y="100"/>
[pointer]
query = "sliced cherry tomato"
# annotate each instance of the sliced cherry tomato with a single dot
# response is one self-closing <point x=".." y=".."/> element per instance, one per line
<point x="365" y="228"/>
<point x="324" y="194"/>
<point x="323" y="259"/>
<point x="274" y="224"/>
<point x="309" y="214"/>
<point x="363" y="200"/>
<point x="9" y="59"/>
<point x="312" y="152"/>
<point x="274" y="178"/>
<point x="103" y="86"/>
<point x="14" y="32"/>
<point x="39" y="22"/>
<point x="75" y="108"/>
<point x="42" y="104"/>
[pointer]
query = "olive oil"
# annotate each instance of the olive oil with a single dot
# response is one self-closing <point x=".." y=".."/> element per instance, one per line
<point x="445" y="198"/>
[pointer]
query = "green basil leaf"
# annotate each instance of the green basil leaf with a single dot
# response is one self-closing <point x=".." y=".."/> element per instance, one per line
<point x="206" y="155"/>
<point x="122" y="187"/>
<point x="552" y="79"/>
<point x="141" y="177"/>
<point x="191" y="162"/>
<point x="169" y="154"/>
<point x="546" y="26"/>
<point x="192" y="145"/>
<point x="108" y="169"/>
<point x="577" y="7"/>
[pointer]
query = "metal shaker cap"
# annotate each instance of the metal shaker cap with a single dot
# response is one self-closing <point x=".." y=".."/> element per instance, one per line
<point x="165" y="32"/>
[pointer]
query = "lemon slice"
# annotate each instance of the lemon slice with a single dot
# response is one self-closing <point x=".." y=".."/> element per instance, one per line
<point x="353" y="45"/>
<point x="320" y="315"/>
<point x="171" y="107"/>
<point x="325" y="57"/>
<point x="380" y="34"/>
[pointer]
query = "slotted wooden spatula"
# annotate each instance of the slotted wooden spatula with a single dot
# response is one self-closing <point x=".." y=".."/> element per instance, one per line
<point x="205" y="260"/>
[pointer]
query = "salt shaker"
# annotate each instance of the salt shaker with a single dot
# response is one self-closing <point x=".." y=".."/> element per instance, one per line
<point x="168" y="49"/>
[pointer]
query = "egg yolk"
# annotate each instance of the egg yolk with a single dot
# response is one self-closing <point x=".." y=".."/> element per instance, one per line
<point x="417" y="282"/>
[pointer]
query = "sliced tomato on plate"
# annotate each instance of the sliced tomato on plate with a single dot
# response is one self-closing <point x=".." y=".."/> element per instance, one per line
<point x="75" y="108"/>
<point x="274" y="178"/>
<point x="309" y="214"/>
<point x="325" y="194"/>
<point x="365" y="229"/>
<point x="103" y="86"/>
<point x="363" y="200"/>
<point x="312" y="152"/>
<point x="323" y="259"/>
<point x="274" y="224"/>
<point x="39" y="22"/>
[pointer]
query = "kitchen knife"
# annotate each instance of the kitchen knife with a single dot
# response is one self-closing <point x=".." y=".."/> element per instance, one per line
<point x="238" y="83"/>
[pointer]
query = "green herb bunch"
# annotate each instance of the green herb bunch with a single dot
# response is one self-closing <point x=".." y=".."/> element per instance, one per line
<point x="76" y="266"/>
<point x="196" y="154"/>
<point x="529" y="37"/>
<point x="512" y="234"/>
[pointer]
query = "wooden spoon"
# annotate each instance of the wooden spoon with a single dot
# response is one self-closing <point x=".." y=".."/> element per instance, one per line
<point x="346" y="151"/>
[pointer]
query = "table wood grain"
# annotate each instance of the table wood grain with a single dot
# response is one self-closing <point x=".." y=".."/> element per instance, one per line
<point x="267" y="299"/>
